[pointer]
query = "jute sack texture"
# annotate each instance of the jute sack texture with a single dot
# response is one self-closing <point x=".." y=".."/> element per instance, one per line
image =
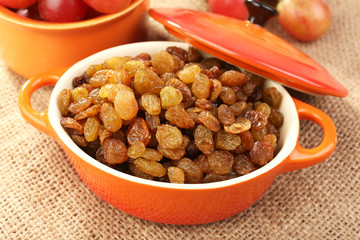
<point x="42" y="197"/>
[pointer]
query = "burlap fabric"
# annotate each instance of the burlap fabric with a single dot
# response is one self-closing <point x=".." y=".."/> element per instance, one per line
<point x="42" y="197"/>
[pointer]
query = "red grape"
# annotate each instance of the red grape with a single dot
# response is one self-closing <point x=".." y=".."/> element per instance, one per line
<point x="62" y="10"/>
<point x="17" y="4"/>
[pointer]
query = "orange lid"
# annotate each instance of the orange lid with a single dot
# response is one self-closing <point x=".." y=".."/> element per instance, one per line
<point x="250" y="47"/>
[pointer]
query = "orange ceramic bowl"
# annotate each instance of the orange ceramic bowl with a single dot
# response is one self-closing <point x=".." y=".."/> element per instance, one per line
<point x="168" y="202"/>
<point x="30" y="47"/>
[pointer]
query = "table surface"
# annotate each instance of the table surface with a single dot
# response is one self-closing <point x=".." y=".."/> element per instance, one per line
<point x="42" y="197"/>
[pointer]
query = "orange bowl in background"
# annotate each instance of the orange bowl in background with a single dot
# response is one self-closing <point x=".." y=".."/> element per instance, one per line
<point x="30" y="47"/>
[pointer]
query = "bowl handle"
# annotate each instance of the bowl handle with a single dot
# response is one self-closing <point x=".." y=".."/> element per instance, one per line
<point x="303" y="157"/>
<point x="39" y="120"/>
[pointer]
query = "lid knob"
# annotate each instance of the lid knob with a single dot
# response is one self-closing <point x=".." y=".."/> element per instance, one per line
<point x="259" y="13"/>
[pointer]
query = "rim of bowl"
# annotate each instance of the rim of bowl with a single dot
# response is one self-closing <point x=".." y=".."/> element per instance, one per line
<point x="12" y="17"/>
<point x="289" y="131"/>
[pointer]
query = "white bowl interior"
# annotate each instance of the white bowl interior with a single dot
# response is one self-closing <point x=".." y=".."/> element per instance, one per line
<point x="289" y="131"/>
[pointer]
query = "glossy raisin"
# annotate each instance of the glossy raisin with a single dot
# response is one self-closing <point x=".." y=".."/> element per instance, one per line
<point x="169" y="136"/>
<point x="125" y="104"/>
<point x="163" y="62"/>
<point x="261" y="153"/>
<point x="115" y="151"/>
<point x="211" y="122"/>
<point x="64" y="101"/>
<point x="243" y="165"/>
<point x="233" y="78"/>
<point x="203" y="139"/>
<point x="179" y="117"/>
<point x="192" y="171"/>
<point x="138" y="131"/>
<point x="221" y="161"/>
<point x="176" y="175"/>
<point x="150" y="167"/>
<point x="226" y="141"/>
<point x="170" y="96"/>
<point x="201" y="86"/>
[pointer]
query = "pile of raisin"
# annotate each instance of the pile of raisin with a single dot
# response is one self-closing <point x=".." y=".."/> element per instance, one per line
<point x="173" y="117"/>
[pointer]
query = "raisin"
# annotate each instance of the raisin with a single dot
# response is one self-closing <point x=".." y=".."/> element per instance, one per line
<point x="194" y="55"/>
<point x="233" y="78"/>
<point x="79" y="93"/>
<point x="240" y="125"/>
<point x="247" y="142"/>
<point x="103" y="134"/>
<point x="152" y="121"/>
<point x="173" y="154"/>
<point x="163" y="62"/>
<point x="80" y="105"/>
<point x="215" y="89"/>
<point x="170" y="96"/>
<point x="243" y="165"/>
<point x="72" y="126"/>
<point x="115" y="151"/>
<point x="206" y="118"/>
<point x="91" y="129"/>
<point x="271" y="139"/>
<point x="150" y="167"/>
<point x="210" y="62"/>
<point x="226" y="114"/>
<point x="228" y="95"/>
<point x="143" y="57"/>
<point x="79" y="140"/>
<point x="238" y="108"/>
<point x="179" y="52"/>
<point x="261" y="153"/>
<point x="64" y="101"/>
<point x="213" y="177"/>
<point x="136" y="150"/>
<point x="258" y="119"/>
<point x="89" y="112"/>
<point x="221" y="161"/>
<point x="204" y="139"/>
<point x="183" y="88"/>
<point x="95" y="97"/>
<point x="276" y="118"/>
<point x="264" y="108"/>
<point x="179" y="117"/>
<point x="133" y="66"/>
<point x="192" y="171"/>
<point x="78" y="81"/>
<point x="272" y="97"/>
<point x="113" y="91"/>
<point x="203" y="163"/>
<point x="203" y="104"/>
<point x="116" y="62"/>
<point x="151" y="103"/>
<point x="136" y="172"/>
<point x="152" y="154"/>
<point x="146" y="81"/>
<point x="226" y="141"/>
<point x="187" y="74"/>
<point x="125" y="104"/>
<point x="258" y="134"/>
<point x="176" y="175"/>
<point x="249" y="87"/>
<point x="92" y="69"/>
<point x="169" y="136"/>
<point x="110" y="118"/>
<point x="138" y="131"/>
<point x="178" y="63"/>
<point x="201" y="86"/>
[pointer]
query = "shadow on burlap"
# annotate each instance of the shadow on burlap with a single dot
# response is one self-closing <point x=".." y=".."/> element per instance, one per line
<point x="42" y="197"/>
